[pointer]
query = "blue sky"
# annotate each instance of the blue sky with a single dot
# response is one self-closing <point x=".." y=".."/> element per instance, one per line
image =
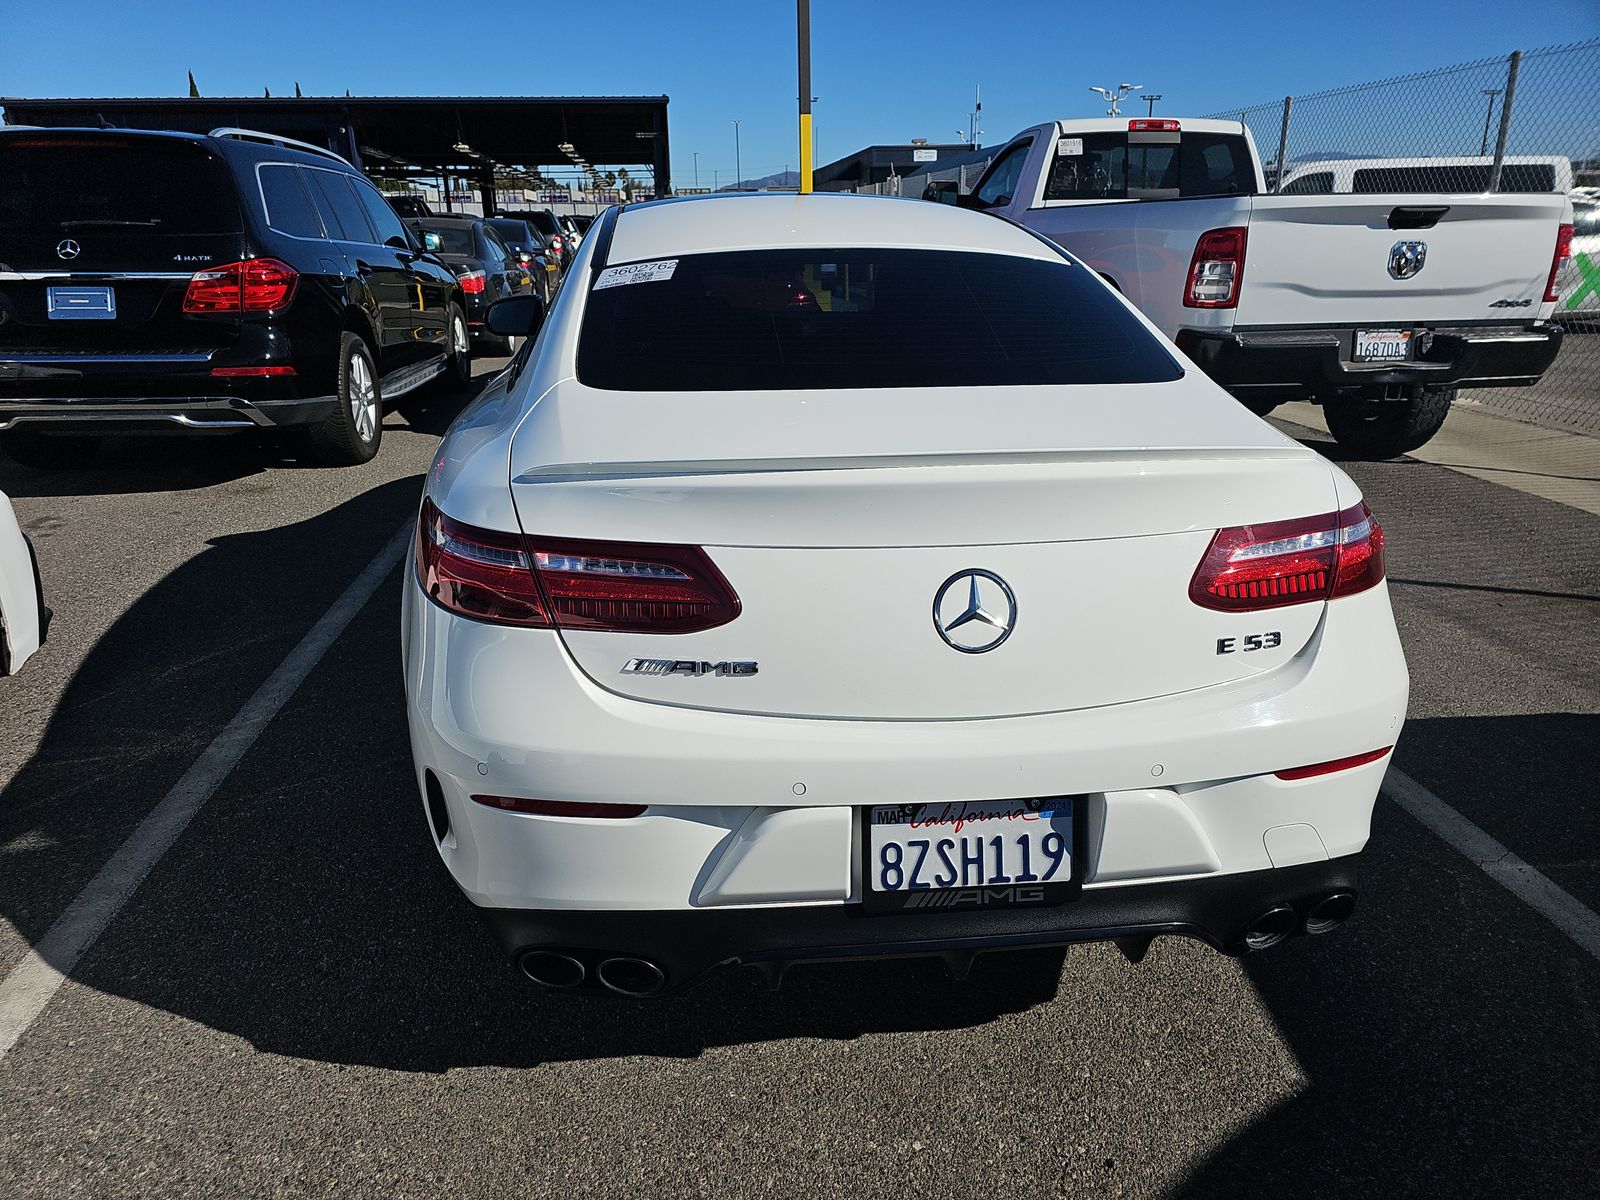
<point x="884" y="70"/>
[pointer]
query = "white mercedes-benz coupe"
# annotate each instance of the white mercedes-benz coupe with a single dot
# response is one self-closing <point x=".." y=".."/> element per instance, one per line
<point x="22" y="612"/>
<point x="836" y="576"/>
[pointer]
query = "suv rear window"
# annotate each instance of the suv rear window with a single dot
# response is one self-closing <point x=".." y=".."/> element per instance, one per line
<point x="57" y="184"/>
<point x="771" y="320"/>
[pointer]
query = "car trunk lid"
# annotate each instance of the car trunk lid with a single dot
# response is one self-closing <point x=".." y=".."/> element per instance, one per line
<point x="837" y="518"/>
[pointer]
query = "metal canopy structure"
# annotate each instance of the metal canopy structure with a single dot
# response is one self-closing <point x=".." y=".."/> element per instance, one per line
<point x="469" y="137"/>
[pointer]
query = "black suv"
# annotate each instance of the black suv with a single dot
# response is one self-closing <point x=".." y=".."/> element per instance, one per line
<point x="187" y="282"/>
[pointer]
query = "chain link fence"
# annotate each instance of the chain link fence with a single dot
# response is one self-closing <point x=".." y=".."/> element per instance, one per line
<point x="1527" y="122"/>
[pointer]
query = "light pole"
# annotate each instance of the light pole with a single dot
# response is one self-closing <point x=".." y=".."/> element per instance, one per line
<point x="1483" y="146"/>
<point x="1151" y="101"/>
<point x="738" y="165"/>
<point x="697" y="170"/>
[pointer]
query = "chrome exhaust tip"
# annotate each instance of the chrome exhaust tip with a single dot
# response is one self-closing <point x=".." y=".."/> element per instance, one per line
<point x="552" y="969"/>
<point x="631" y="976"/>
<point x="1271" y="927"/>
<point x="1330" y="912"/>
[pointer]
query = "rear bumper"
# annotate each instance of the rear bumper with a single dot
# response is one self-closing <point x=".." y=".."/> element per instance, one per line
<point x="1316" y="362"/>
<point x="685" y="945"/>
<point x="195" y="414"/>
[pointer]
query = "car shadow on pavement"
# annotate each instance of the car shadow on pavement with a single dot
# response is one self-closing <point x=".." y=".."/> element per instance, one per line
<point x="1449" y="1034"/>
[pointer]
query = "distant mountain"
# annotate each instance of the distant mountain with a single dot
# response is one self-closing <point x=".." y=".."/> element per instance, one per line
<point x="783" y="179"/>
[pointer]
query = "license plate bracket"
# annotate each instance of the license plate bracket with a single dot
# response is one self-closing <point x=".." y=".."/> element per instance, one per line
<point x="1383" y="345"/>
<point x="963" y="823"/>
<point x="80" y="304"/>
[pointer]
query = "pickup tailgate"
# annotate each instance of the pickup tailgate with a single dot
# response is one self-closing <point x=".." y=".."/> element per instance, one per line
<point x="1325" y="260"/>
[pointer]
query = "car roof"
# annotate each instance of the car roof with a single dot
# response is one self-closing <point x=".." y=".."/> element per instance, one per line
<point x="444" y="222"/>
<point x="239" y="150"/>
<point x="835" y="220"/>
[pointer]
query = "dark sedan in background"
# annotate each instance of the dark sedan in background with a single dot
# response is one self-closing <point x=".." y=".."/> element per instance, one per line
<point x="488" y="269"/>
<point x="532" y="251"/>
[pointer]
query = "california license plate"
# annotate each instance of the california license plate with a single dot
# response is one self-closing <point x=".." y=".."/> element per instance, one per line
<point x="1383" y="345"/>
<point x="972" y="854"/>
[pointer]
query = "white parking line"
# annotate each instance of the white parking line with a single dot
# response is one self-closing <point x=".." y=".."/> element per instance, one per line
<point x="1526" y="883"/>
<point x="33" y="981"/>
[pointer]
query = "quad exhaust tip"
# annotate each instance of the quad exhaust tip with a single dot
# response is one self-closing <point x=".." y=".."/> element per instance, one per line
<point x="1271" y="927"/>
<point x="1330" y="912"/>
<point x="551" y="969"/>
<point x="631" y="976"/>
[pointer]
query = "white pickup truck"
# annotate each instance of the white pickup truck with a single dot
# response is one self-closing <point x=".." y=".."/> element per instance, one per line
<point x="1378" y="307"/>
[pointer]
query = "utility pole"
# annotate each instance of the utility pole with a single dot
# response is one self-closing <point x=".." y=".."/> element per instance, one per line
<point x="803" y="32"/>
<point x="1483" y="146"/>
<point x="1151" y="101"/>
<point x="738" y="163"/>
<point x="697" y="170"/>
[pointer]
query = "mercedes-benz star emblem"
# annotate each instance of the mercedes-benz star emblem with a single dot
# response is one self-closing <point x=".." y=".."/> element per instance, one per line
<point x="974" y="611"/>
<point x="68" y="249"/>
<point x="1406" y="258"/>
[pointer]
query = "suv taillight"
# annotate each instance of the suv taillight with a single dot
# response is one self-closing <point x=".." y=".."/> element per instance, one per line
<point x="1217" y="269"/>
<point x="1563" y="252"/>
<point x="509" y="579"/>
<point x="1252" y="567"/>
<point x="255" y="285"/>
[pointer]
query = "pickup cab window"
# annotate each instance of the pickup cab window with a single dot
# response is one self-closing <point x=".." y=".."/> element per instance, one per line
<point x="1111" y="166"/>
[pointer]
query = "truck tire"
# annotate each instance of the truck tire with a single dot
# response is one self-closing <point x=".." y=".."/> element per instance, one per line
<point x="49" y="452"/>
<point x="350" y="434"/>
<point x="1387" y="428"/>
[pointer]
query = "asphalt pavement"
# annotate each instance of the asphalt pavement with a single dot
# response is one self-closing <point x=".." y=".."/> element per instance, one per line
<point x="297" y="1002"/>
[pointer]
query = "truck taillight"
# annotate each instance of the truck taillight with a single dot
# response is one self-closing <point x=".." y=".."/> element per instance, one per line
<point x="1217" y="269"/>
<point x="473" y="282"/>
<point x="1563" y="252"/>
<point x="509" y="579"/>
<point x="255" y="285"/>
<point x="1153" y="125"/>
<point x="1251" y="567"/>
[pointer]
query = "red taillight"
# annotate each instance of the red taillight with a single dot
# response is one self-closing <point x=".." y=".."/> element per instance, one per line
<point x="507" y="579"/>
<point x="1563" y="252"/>
<point x="1252" y="567"/>
<point x="1217" y="269"/>
<point x="1326" y="768"/>
<point x="473" y="282"/>
<point x="256" y="285"/>
<point x="250" y="372"/>
<point x="1153" y="125"/>
<point x="562" y="808"/>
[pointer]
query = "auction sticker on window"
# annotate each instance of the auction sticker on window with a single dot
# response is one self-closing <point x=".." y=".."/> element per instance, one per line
<point x="643" y="272"/>
<point x="1069" y="146"/>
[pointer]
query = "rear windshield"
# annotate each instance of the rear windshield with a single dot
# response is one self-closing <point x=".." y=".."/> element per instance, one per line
<point x="800" y="319"/>
<point x="1113" y="166"/>
<point x="55" y="185"/>
<point x="453" y="239"/>
<point x="544" y="222"/>
<point x="511" y="231"/>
